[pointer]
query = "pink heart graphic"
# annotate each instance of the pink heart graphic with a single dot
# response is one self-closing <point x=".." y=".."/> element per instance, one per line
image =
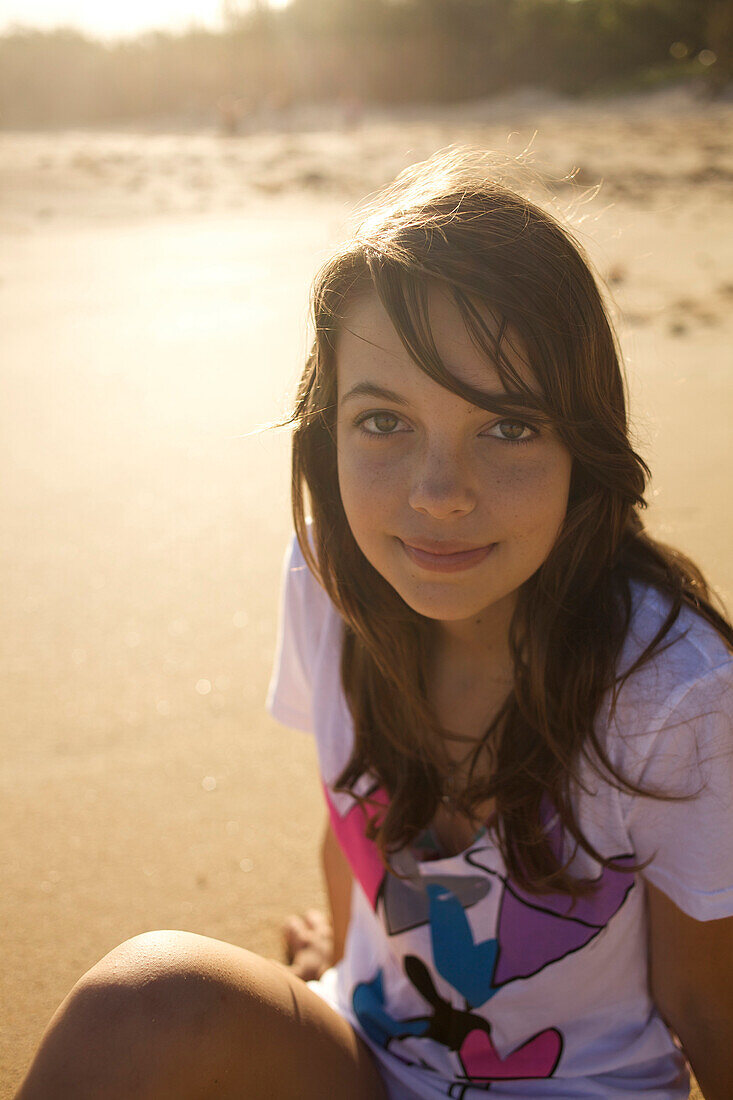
<point x="362" y="853"/>
<point x="538" y="1057"/>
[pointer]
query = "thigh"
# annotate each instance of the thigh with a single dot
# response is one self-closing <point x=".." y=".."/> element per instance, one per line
<point x="176" y="1016"/>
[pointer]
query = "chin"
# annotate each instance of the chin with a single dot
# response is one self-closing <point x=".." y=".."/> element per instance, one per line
<point x="444" y="609"/>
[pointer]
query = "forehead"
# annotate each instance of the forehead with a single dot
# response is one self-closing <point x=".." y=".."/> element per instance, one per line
<point x="368" y="342"/>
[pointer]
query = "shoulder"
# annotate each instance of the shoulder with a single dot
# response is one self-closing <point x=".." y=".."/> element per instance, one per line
<point x="672" y="736"/>
<point x="308" y="631"/>
<point x="687" y="678"/>
<point x="304" y="598"/>
<point x="690" y="654"/>
<point x="297" y="571"/>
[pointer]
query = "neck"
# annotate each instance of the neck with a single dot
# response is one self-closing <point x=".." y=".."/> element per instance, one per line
<point x="480" y="640"/>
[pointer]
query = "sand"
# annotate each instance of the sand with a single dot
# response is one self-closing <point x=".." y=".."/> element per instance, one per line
<point x="153" y="305"/>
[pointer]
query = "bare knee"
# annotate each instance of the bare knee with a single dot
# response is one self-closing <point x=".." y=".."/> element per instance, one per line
<point x="174" y="1016"/>
<point x="136" y="1024"/>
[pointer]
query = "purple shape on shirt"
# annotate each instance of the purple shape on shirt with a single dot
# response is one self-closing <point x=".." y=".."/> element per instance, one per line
<point x="536" y="930"/>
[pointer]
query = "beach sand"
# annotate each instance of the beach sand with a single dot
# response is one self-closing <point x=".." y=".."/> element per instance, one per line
<point x="153" y="304"/>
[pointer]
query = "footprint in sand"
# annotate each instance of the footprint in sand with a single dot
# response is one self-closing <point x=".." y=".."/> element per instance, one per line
<point x="690" y="311"/>
<point x="617" y="275"/>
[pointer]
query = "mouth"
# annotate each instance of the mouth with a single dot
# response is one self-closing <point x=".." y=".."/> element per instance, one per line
<point x="445" y="557"/>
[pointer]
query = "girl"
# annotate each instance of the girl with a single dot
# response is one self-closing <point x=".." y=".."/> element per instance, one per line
<point x="522" y="705"/>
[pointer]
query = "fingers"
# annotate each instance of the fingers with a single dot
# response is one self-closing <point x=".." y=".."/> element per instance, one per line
<point x="300" y="930"/>
<point x="316" y="919"/>
<point x="308" y="941"/>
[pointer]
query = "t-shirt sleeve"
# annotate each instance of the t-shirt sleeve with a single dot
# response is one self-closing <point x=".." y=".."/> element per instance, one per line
<point x="690" y="843"/>
<point x="289" y="697"/>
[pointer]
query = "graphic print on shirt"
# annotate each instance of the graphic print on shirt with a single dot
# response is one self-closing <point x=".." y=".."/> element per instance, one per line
<point x="531" y="934"/>
<point x="534" y="932"/>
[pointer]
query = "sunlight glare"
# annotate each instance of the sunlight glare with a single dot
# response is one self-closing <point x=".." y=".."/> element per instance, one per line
<point x="111" y="20"/>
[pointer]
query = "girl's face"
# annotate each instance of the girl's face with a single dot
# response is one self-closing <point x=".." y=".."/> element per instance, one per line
<point x="455" y="506"/>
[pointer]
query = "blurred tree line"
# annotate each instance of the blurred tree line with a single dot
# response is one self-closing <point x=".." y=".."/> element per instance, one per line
<point x="360" y="51"/>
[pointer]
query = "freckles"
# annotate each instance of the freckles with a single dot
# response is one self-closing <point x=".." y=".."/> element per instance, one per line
<point x="520" y="480"/>
<point x="363" y="483"/>
<point x="366" y="469"/>
<point x="532" y="493"/>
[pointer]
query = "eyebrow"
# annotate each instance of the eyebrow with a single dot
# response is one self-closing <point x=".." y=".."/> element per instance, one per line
<point x="371" y="389"/>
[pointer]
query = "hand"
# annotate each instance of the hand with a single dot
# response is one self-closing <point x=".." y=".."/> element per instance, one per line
<point x="308" y="944"/>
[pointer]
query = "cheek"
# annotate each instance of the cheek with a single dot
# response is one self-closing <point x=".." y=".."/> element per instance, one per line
<point x="533" y="495"/>
<point x="361" y="496"/>
<point x="365" y="481"/>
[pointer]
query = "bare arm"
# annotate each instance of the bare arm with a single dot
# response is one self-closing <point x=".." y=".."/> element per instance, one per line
<point x="691" y="975"/>
<point x="338" y="877"/>
<point x="313" y="942"/>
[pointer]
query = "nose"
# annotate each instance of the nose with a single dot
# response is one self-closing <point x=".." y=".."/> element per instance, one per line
<point x="441" y="486"/>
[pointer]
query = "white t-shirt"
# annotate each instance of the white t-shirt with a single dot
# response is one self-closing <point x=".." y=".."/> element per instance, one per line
<point x="458" y="979"/>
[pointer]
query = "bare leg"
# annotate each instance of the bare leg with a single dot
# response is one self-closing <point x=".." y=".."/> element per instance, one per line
<point x="175" y="1016"/>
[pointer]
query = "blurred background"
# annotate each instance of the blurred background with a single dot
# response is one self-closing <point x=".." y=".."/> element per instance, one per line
<point x="171" y="177"/>
<point x="258" y="61"/>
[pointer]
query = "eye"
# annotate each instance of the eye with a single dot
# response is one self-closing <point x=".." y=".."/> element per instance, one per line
<point x="512" y="431"/>
<point x="382" y="423"/>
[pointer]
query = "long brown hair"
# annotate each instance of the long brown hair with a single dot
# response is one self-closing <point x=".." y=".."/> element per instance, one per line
<point x="450" y="223"/>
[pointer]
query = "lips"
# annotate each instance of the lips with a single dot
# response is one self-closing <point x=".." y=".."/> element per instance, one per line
<point x="445" y="557"/>
<point x="442" y="547"/>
